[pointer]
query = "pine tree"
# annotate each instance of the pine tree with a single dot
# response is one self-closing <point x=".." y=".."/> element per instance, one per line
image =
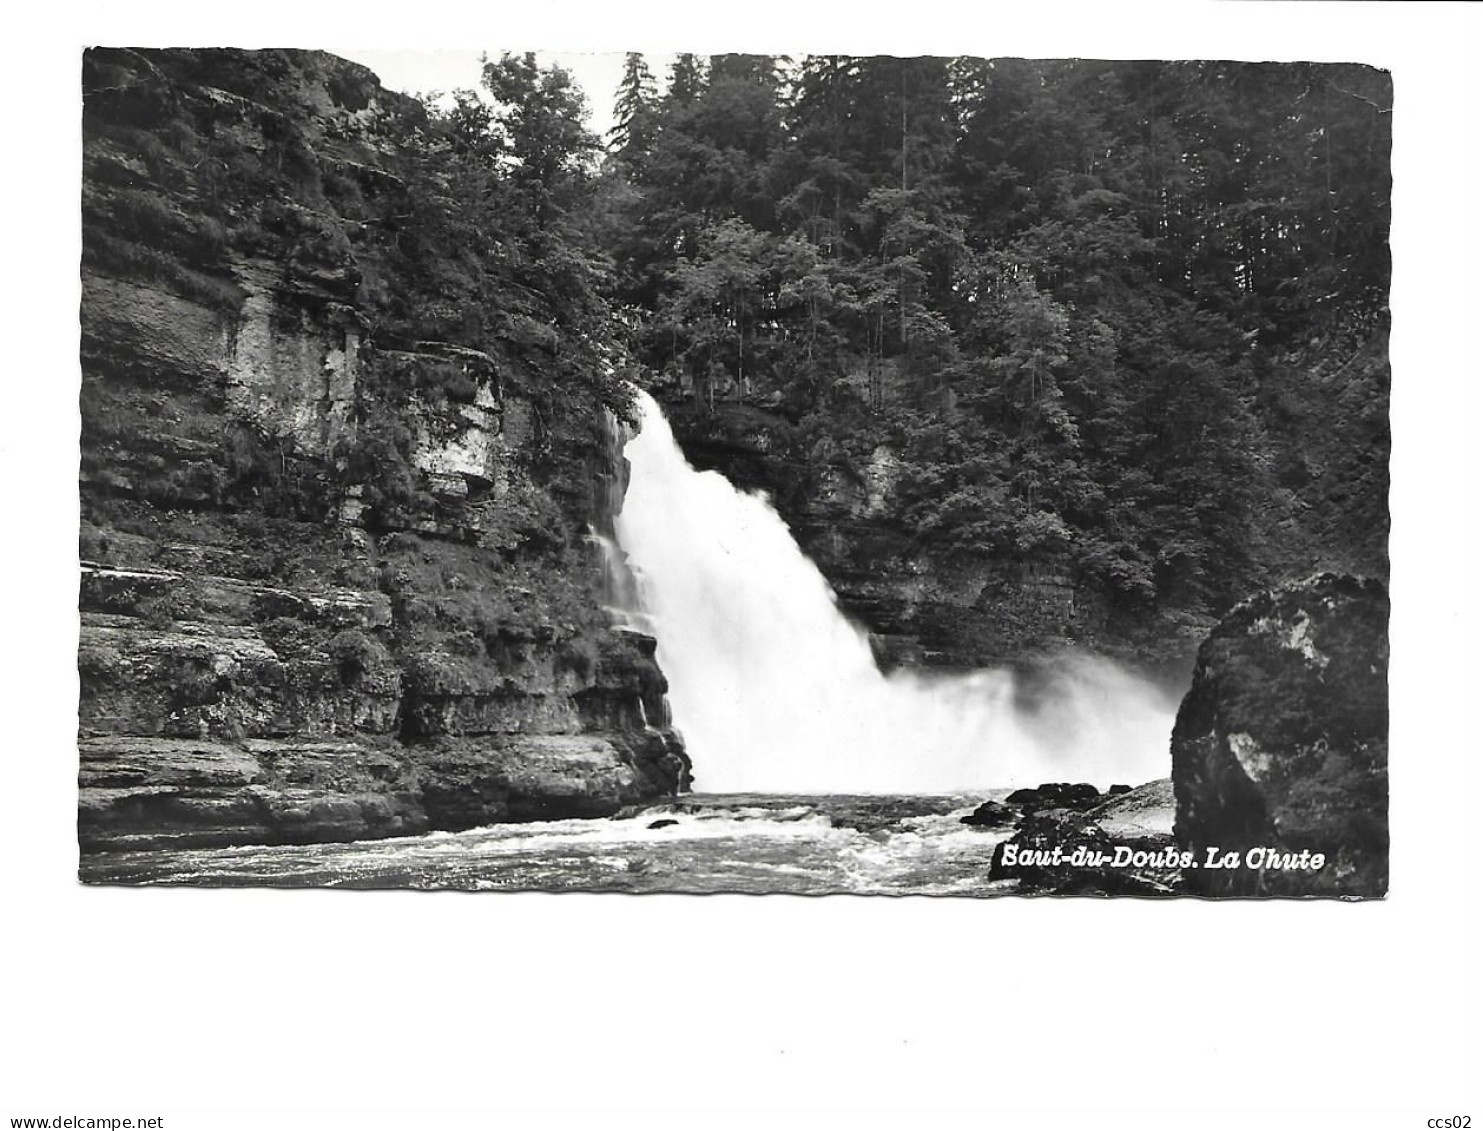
<point x="686" y="81"/>
<point x="633" y="110"/>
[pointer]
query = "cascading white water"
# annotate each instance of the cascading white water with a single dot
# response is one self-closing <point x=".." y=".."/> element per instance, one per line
<point x="775" y="690"/>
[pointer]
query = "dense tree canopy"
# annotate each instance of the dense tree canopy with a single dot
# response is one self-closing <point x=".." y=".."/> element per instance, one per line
<point x="1089" y="303"/>
<point x="1121" y="324"/>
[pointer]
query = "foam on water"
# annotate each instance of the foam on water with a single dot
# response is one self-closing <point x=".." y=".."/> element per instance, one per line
<point x="703" y="847"/>
<point x="775" y="689"/>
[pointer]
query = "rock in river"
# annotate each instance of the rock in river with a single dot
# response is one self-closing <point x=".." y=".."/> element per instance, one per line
<point x="1281" y="744"/>
<point x="1056" y="795"/>
<point x="1121" y="846"/>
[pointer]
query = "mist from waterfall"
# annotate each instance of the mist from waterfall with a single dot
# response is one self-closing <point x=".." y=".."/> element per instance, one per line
<point x="775" y="689"/>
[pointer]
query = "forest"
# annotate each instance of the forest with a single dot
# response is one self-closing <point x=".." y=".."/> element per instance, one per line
<point x="1118" y="323"/>
<point x="1126" y="321"/>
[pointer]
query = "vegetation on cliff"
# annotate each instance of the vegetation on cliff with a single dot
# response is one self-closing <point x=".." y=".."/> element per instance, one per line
<point x="1102" y="345"/>
<point x="344" y="365"/>
<point x="1121" y="325"/>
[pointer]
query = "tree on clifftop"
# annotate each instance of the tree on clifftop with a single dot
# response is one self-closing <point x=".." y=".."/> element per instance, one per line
<point x="633" y="110"/>
<point x="541" y="125"/>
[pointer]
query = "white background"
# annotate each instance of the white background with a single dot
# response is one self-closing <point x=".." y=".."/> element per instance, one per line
<point x="122" y="1002"/>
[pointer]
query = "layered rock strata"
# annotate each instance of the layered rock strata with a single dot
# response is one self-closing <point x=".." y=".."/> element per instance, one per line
<point x="334" y="583"/>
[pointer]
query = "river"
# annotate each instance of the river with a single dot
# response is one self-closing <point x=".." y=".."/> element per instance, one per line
<point x="752" y="843"/>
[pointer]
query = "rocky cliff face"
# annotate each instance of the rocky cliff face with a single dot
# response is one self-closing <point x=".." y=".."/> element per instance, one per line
<point x="336" y="582"/>
<point x="1280" y="747"/>
<point x="846" y="480"/>
<point x="922" y="605"/>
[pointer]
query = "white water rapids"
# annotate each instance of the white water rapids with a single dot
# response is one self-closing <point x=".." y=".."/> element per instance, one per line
<point x="774" y="689"/>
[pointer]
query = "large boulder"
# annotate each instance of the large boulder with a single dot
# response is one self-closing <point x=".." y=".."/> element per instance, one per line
<point x="1279" y="749"/>
<point x="1145" y="811"/>
<point x="991" y="814"/>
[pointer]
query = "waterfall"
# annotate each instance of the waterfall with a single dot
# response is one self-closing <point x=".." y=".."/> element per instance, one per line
<point x="775" y="690"/>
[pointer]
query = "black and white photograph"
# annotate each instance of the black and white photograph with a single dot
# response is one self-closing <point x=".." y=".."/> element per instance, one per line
<point x="751" y="473"/>
<point x="785" y="566"/>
